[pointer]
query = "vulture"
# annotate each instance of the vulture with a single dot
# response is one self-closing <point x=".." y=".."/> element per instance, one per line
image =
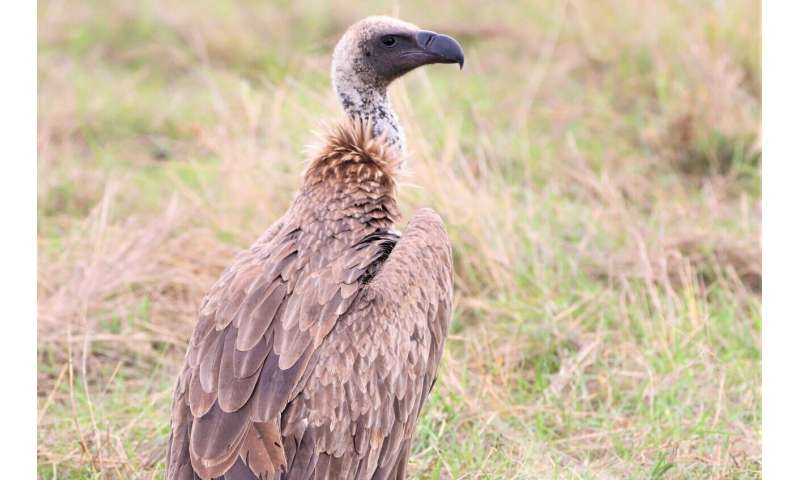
<point x="315" y="350"/>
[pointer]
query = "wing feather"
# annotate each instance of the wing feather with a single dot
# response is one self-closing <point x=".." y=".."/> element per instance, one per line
<point x="256" y="322"/>
<point x="215" y="440"/>
<point x="274" y="387"/>
<point x="248" y="362"/>
<point x="199" y="400"/>
<point x="234" y="392"/>
<point x="211" y="354"/>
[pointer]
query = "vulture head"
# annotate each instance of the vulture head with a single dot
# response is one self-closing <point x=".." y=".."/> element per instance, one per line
<point x="371" y="54"/>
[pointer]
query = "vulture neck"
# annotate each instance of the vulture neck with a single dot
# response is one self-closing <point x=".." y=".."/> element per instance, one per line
<point x="354" y="177"/>
<point x="368" y="102"/>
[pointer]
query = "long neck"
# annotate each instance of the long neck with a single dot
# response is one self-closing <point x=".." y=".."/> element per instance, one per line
<point x="369" y="102"/>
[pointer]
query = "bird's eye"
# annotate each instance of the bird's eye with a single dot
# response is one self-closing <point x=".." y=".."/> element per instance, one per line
<point x="389" y="41"/>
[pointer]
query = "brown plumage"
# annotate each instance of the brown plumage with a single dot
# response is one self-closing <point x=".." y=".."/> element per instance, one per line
<point x="315" y="350"/>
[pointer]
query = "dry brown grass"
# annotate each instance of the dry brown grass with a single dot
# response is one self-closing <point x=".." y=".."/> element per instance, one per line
<point x="597" y="164"/>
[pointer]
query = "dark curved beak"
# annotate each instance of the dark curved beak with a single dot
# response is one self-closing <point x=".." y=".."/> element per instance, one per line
<point x="442" y="48"/>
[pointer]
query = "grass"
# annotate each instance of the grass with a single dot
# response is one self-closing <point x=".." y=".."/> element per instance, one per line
<point x="597" y="164"/>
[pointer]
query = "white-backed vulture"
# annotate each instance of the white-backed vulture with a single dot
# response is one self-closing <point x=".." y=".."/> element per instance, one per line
<point x="315" y="350"/>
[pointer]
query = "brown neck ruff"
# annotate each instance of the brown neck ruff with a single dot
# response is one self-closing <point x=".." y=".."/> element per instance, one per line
<point x="353" y="177"/>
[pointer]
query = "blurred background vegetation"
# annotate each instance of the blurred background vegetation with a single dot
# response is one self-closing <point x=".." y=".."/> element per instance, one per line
<point x="597" y="163"/>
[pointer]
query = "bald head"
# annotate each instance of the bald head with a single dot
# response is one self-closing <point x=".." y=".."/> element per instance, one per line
<point x="381" y="49"/>
<point x="377" y="50"/>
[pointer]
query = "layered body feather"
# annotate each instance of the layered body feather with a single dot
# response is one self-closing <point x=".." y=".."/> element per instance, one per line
<point x="315" y="350"/>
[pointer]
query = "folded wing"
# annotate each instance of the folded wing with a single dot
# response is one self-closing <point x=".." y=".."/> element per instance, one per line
<point x="256" y="341"/>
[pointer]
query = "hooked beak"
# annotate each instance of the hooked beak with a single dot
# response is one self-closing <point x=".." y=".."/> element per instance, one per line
<point x="441" y="48"/>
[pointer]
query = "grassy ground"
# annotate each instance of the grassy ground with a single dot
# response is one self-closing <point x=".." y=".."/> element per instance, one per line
<point x="597" y="164"/>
